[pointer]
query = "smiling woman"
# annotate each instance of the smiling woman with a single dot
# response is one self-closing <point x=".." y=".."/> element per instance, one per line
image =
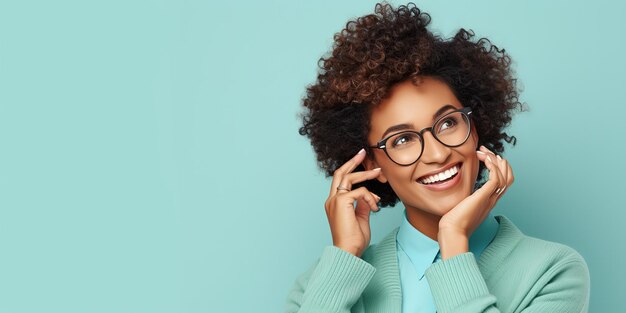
<point x="399" y="114"/>
<point x="446" y="147"/>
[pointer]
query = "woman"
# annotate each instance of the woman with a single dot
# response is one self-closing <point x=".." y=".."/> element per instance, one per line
<point x="426" y="116"/>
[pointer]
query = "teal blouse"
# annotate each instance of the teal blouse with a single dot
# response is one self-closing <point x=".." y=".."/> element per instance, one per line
<point x="416" y="252"/>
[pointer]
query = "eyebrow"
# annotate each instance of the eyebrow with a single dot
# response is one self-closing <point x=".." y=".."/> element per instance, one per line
<point x="410" y="126"/>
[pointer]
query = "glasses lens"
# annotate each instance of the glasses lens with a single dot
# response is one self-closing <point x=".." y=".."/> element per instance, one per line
<point x="453" y="129"/>
<point x="404" y="148"/>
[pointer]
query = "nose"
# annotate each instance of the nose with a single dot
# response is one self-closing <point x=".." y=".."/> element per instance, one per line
<point x="434" y="151"/>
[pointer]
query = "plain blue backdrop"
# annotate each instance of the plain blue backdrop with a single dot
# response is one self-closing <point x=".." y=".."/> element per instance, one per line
<point x="150" y="159"/>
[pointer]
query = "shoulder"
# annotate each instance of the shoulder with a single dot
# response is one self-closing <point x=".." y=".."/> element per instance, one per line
<point x="556" y="271"/>
<point x="541" y="251"/>
<point x="551" y="258"/>
<point x="550" y="274"/>
<point x="553" y="250"/>
<point x="544" y="268"/>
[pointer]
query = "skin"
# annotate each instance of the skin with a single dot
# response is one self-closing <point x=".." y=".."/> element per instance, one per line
<point x="448" y="217"/>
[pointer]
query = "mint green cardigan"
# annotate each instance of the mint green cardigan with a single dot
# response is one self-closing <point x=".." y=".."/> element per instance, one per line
<point x="515" y="273"/>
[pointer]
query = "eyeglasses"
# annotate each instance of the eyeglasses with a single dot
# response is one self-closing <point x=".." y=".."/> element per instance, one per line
<point x="405" y="148"/>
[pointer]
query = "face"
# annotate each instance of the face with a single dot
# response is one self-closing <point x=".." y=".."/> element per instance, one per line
<point x="416" y="105"/>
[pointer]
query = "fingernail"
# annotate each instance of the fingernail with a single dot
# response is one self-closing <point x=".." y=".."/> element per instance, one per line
<point x="376" y="169"/>
<point x="375" y="195"/>
<point x="480" y="152"/>
<point x="361" y="151"/>
<point x="489" y="159"/>
<point x="499" y="158"/>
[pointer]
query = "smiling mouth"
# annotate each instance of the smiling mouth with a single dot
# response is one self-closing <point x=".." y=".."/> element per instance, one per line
<point x="441" y="177"/>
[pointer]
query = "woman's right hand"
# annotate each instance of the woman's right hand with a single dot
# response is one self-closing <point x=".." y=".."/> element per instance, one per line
<point x="350" y="227"/>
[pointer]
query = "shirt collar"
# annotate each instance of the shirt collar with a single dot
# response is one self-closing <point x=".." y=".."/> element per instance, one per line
<point x="423" y="251"/>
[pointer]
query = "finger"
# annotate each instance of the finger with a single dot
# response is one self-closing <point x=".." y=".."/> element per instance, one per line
<point x="504" y="168"/>
<point x="365" y="200"/>
<point x="345" y="185"/>
<point x="496" y="159"/>
<point x="509" y="178"/>
<point x="357" y="177"/>
<point x="376" y="197"/>
<point x="362" y="210"/>
<point x="502" y="165"/>
<point x="346" y="168"/>
<point x="492" y="167"/>
<point x="492" y="183"/>
<point x="502" y="192"/>
<point x="368" y="203"/>
<point x="501" y="181"/>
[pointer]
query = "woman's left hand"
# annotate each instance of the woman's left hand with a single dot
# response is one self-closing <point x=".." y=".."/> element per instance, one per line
<point x="456" y="226"/>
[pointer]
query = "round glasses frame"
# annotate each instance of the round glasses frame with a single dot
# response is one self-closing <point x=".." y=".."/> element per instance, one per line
<point x="466" y="111"/>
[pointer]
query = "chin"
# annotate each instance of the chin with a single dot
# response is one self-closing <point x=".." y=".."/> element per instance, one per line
<point x="446" y="205"/>
<point x="441" y="203"/>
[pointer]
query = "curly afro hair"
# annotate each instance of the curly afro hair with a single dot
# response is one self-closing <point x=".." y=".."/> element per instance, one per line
<point x="375" y="52"/>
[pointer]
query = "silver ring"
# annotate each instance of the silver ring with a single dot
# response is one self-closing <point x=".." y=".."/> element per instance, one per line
<point x="498" y="191"/>
<point x="342" y="188"/>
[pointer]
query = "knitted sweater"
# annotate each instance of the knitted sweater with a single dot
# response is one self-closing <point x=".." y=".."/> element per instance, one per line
<point x="515" y="273"/>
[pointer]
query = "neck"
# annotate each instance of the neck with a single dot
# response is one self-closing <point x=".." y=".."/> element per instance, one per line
<point x="426" y="223"/>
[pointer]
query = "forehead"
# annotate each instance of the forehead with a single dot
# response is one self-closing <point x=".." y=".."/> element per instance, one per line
<point x="411" y="104"/>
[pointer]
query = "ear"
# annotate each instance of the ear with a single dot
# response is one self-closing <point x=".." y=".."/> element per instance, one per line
<point x="370" y="163"/>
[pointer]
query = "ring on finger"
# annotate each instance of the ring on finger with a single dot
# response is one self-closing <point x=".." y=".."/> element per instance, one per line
<point x="502" y="190"/>
<point x="342" y="188"/>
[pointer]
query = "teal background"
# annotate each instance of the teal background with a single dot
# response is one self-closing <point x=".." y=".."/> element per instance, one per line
<point x="150" y="159"/>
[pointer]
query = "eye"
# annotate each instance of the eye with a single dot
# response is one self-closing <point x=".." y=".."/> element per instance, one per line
<point x="403" y="140"/>
<point x="447" y="123"/>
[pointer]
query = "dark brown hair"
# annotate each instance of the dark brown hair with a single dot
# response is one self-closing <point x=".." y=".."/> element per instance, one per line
<point x="375" y="52"/>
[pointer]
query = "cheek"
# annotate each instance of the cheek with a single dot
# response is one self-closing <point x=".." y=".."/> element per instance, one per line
<point x="399" y="178"/>
<point x="399" y="174"/>
<point x="471" y="161"/>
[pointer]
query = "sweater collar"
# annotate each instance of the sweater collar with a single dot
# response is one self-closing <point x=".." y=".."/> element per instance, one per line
<point x="419" y="248"/>
<point x="384" y="293"/>
<point x="423" y="251"/>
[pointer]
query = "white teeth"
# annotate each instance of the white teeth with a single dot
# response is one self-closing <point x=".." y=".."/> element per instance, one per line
<point x="440" y="176"/>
